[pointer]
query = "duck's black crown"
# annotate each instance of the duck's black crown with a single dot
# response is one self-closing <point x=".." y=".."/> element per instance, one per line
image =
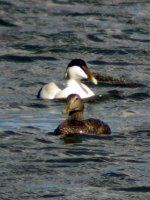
<point x="77" y="62"/>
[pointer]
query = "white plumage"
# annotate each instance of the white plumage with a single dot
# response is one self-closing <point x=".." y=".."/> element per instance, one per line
<point x="75" y="72"/>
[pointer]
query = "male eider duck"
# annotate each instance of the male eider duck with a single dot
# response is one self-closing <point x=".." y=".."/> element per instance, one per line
<point x="75" y="72"/>
<point x="75" y="124"/>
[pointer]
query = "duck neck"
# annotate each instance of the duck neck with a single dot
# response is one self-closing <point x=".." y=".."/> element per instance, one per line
<point x="75" y="115"/>
<point x="72" y="82"/>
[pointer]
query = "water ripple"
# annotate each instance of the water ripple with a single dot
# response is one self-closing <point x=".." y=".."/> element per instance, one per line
<point x="135" y="189"/>
<point x="6" y="23"/>
<point x="38" y="40"/>
<point x="14" y="58"/>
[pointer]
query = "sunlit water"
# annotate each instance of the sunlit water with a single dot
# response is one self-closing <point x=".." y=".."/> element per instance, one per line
<point x="38" y="39"/>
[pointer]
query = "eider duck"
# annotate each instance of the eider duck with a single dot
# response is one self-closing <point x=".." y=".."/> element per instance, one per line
<point x="75" y="124"/>
<point x="75" y="72"/>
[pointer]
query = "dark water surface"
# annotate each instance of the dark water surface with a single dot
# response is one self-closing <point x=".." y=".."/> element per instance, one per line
<point x="37" y="40"/>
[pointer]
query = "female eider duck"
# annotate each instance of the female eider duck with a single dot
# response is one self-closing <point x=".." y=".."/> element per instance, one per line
<point x="75" y="124"/>
<point x="75" y="72"/>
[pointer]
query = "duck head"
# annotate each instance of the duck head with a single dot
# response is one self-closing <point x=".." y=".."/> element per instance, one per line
<point x="74" y="104"/>
<point x="78" y="70"/>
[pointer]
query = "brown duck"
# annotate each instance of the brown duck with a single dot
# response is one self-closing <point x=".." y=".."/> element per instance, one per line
<point x="75" y="123"/>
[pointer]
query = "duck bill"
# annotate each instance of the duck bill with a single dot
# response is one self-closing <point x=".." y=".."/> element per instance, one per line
<point x="90" y="76"/>
<point x="66" y="109"/>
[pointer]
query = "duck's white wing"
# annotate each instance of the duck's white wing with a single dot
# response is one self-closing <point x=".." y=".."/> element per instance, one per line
<point x="76" y="87"/>
<point x="49" y="91"/>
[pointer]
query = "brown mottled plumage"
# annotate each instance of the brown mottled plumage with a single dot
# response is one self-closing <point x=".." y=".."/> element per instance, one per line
<point x="75" y="124"/>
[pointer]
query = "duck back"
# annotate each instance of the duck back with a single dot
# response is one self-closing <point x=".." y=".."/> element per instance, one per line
<point x="95" y="126"/>
<point x="89" y="126"/>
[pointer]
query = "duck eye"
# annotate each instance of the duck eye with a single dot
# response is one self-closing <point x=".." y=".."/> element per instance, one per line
<point x="75" y="99"/>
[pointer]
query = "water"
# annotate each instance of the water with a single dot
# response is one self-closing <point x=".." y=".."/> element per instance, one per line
<point x="38" y="39"/>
